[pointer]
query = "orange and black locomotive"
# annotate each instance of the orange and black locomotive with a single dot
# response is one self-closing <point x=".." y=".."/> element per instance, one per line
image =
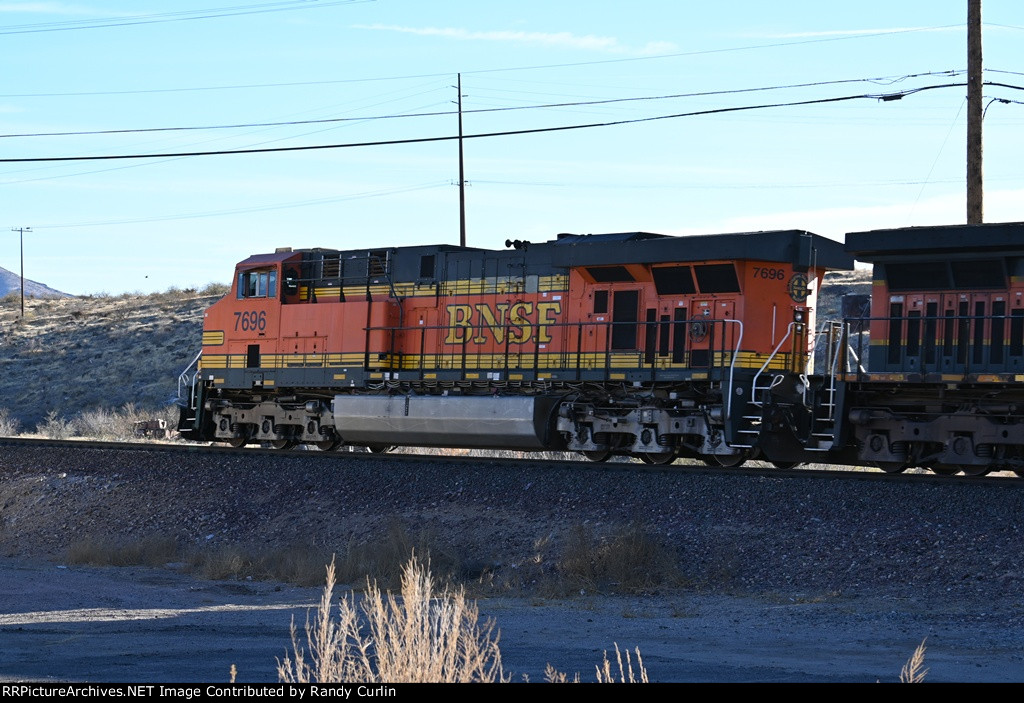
<point x="633" y="344"/>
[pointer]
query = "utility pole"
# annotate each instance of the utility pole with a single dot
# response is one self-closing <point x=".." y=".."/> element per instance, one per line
<point x="21" y="237"/>
<point x="975" y="191"/>
<point x="462" y="174"/>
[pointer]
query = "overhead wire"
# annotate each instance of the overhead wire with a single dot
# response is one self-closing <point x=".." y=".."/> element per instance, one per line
<point x="175" y="16"/>
<point x="884" y="80"/>
<point x="884" y="97"/>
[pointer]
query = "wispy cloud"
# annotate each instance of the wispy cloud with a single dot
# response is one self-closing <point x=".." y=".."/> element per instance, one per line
<point x="564" y="40"/>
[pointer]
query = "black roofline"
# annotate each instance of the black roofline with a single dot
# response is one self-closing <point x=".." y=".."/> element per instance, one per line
<point x="1005" y="238"/>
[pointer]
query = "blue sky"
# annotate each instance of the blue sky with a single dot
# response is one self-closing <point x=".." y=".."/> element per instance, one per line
<point x="375" y="68"/>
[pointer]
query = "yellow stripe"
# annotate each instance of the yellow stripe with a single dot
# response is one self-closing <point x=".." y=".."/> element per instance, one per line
<point x="476" y="286"/>
<point x="562" y="361"/>
<point x="213" y="338"/>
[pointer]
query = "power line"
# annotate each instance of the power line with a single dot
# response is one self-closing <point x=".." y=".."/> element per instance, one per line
<point x="657" y="57"/>
<point x="885" y="97"/>
<point x="178" y="16"/>
<point x="888" y="80"/>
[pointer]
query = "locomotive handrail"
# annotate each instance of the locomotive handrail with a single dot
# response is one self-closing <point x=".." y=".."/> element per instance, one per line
<point x="183" y="380"/>
<point x="834" y="370"/>
<point x="732" y="366"/>
<point x="946" y="344"/>
<point x="753" y="385"/>
<point x="856" y="358"/>
<point x="717" y="350"/>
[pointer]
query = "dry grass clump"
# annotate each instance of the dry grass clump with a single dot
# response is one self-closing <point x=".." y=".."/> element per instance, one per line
<point x="10" y="426"/>
<point x="105" y="424"/>
<point x="55" y="426"/>
<point x="913" y="671"/>
<point x="153" y="550"/>
<point x="604" y="670"/>
<point x="421" y="637"/>
<point x="628" y="561"/>
<point x="381" y="560"/>
<point x="301" y="565"/>
<point x="384" y="560"/>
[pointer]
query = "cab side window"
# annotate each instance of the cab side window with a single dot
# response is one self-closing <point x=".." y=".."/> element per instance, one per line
<point x="257" y="284"/>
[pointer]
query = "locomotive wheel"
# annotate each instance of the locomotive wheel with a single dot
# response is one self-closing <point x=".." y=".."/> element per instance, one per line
<point x="890" y="467"/>
<point x="327" y="445"/>
<point x="236" y="442"/>
<point x="728" y="461"/>
<point x="658" y="458"/>
<point x="380" y="448"/>
<point x="944" y="469"/>
<point x="282" y="444"/>
<point x="786" y="465"/>
<point x="599" y="455"/>
<point x="976" y="470"/>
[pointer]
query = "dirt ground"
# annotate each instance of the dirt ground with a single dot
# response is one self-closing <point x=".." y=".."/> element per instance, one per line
<point x="110" y="624"/>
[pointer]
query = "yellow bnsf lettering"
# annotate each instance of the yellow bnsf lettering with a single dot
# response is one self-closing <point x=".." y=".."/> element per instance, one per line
<point x="520" y="328"/>
<point x="501" y="322"/>
<point x="546" y="313"/>
<point x="460" y="318"/>
<point x="495" y="323"/>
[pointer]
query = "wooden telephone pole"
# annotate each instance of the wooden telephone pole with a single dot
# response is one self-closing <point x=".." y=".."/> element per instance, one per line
<point x="975" y="196"/>
<point x="21" y="239"/>
<point x="462" y="174"/>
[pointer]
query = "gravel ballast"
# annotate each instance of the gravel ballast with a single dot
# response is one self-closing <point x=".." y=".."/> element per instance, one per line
<point x="732" y="533"/>
<point x="806" y="578"/>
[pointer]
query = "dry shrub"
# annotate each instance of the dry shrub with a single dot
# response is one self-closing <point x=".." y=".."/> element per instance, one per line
<point x="10" y="426"/>
<point x="218" y="289"/>
<point x="56" y="427"/>
<point x="302" y="565"/>
<point x="384" y="560"/>
<point x="222" y="563"/>
<point x="422" y="637"/>
<point x="97" y="424"/>
<point x="381" y="560"/>
<point x="153" y="550"/>
<point x="629" y="561"/>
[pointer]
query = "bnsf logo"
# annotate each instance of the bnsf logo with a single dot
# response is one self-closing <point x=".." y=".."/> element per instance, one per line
<point x="520" y="322"/>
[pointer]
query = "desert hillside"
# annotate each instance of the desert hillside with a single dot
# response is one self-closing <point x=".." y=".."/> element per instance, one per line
<point x="98" y="353"/>
<point x="71" y="355"/>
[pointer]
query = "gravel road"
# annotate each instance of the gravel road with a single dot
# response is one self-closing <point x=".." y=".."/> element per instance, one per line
<point x="784" y="579"/>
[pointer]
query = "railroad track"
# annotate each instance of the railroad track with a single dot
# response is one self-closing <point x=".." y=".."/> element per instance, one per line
<point x="400" y="458"/>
